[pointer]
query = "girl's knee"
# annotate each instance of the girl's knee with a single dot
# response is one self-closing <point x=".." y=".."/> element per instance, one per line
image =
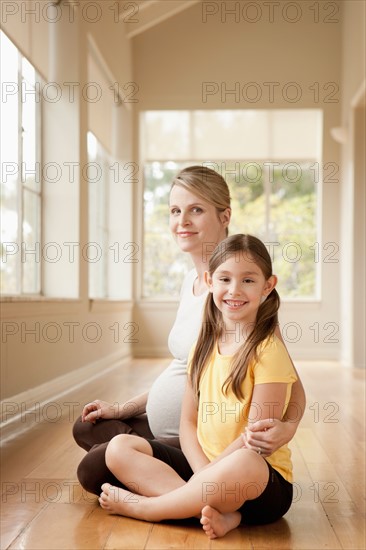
<point x="118" y="448"/>
<point x="123" y="440"/>
<point x="246" y="462"/>
<point x="253" y="464"/>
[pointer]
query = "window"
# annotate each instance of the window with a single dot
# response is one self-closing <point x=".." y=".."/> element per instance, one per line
<point x="98" y="171"/>
<point x="20" y="173"/>
<point x="271" y="161"/>
<point x="110" y="251"/>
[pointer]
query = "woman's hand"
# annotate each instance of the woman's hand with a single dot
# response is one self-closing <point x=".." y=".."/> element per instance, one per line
<point x="99" y="409"/>
<point x="268" y="435"/>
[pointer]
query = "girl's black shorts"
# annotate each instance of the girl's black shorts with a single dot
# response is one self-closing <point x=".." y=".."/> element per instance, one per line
<point x="269" y="506"/>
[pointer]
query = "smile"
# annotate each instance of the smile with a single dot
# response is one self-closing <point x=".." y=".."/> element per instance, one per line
<point x="186" y="234"/>
<point x="235" y="304"/>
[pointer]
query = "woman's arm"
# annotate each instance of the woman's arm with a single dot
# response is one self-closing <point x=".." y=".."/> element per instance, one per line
<point x="188" y="431"/>
<point x="270" y="433"/>
<point x="101" y="409"/>
<point x="296" y="407"/>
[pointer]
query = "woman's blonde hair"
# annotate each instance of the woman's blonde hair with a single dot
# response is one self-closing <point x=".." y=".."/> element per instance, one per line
<point x="213" y="326"/>
<point x="206" y="184"/>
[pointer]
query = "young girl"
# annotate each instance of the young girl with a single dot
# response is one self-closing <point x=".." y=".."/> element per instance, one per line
<point x="239" y="373"/>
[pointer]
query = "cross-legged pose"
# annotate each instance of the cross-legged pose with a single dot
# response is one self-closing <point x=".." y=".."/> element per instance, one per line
<point x="239" y="373"/>
<point x="199" y="218"/>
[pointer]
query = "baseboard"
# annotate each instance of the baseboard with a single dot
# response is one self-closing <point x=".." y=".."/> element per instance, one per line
<point x="299" y="353"/>
<point x="24" y="410"/>
<point x="152" y="352"/>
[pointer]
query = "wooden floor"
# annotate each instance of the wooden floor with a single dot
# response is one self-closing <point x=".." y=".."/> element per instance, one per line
<point x="43" y="507"/>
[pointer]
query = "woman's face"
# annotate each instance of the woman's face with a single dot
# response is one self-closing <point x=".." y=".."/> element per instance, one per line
<point x="196" y="224"/>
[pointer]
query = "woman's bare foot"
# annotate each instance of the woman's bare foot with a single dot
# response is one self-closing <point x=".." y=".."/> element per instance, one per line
<point x="119" y="501"/>
<point x="216" y="524"/>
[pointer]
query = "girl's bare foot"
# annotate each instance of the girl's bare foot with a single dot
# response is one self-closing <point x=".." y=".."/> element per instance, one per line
<point x="119" y="501"/>
<point x="216" y="524"/>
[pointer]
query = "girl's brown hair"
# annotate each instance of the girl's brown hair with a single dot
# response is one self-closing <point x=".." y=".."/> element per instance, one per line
<point x="213" y="327"/>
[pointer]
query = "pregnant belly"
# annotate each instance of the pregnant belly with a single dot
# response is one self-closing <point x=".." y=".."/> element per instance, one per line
<point x="165" y="401"/>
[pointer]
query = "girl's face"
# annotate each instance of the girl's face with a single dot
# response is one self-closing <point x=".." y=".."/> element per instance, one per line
<point x="238" y="286"/>
<point x="195" y="223"/>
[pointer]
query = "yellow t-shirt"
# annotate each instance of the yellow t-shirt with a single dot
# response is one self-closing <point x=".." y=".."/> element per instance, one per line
<point x="222" y="418"/>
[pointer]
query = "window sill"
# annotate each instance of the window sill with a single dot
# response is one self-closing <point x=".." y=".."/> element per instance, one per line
<point x="39" y="306"/>
<point x="290" y="301"/>
<point x="104" y="305"/>
<point x="36" y="298"/>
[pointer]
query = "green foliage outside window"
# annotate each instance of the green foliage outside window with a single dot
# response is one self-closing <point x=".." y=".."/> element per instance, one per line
<point x="275" y="202"/>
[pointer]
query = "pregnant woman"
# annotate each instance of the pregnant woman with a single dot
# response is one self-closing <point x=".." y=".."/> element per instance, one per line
<point x="200" y="214"/>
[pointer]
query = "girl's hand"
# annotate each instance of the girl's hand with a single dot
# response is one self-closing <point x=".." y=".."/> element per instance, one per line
<point x="99" y="409"/>
<point x="268" y="435"/>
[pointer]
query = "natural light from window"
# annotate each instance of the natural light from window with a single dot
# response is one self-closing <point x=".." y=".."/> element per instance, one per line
<point x="20" y="173"/>
<point x="271" y="160"/>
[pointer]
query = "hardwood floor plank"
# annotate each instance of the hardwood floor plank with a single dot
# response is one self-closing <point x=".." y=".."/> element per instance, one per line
<point x="310" y="528"/>
<point x="67" y="527"/>
<point x="129" y="534"/>
<point x="348" y="524"/>
<point x="15" y="517"/>
<point x="178" y="535"/>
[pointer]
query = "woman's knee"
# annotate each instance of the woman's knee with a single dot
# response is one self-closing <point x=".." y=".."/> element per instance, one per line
<point x="92" y="470"/>
<point x="81" y="432"/>
<point x="85" y="475"/>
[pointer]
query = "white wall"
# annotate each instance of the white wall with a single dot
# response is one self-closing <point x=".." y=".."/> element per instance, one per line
<point x="353" y="230"/>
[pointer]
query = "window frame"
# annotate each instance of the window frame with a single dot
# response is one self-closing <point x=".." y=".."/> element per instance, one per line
<point x="317" y="296"/>
<point x="22" y="188"/>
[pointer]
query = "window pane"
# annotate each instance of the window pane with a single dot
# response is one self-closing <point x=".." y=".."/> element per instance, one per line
<point x="31" y="254"/>
<point x="166" y="135"/>
<point x="29" y="76"/>
<point x="10" y="283"/>
<point x="96" y="249"/>
<point x="164" y="264"/>
<point x="98" y="219"/>
<point x="296" y="133"/>
<point x="19" y="141"/>
<point x="10" y="255"/>
<point x="30" y="176"/>
<point x="231" y="134"/>
<point x="293" y="226"/>
<point x="9" y="108"/>
<point x="245" y="181"/>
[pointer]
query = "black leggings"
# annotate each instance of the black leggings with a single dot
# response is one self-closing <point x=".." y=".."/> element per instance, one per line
<point x="92" y="471"/>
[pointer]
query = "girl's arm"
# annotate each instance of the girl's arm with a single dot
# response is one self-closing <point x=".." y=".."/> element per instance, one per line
<point x="188" y="431"/>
